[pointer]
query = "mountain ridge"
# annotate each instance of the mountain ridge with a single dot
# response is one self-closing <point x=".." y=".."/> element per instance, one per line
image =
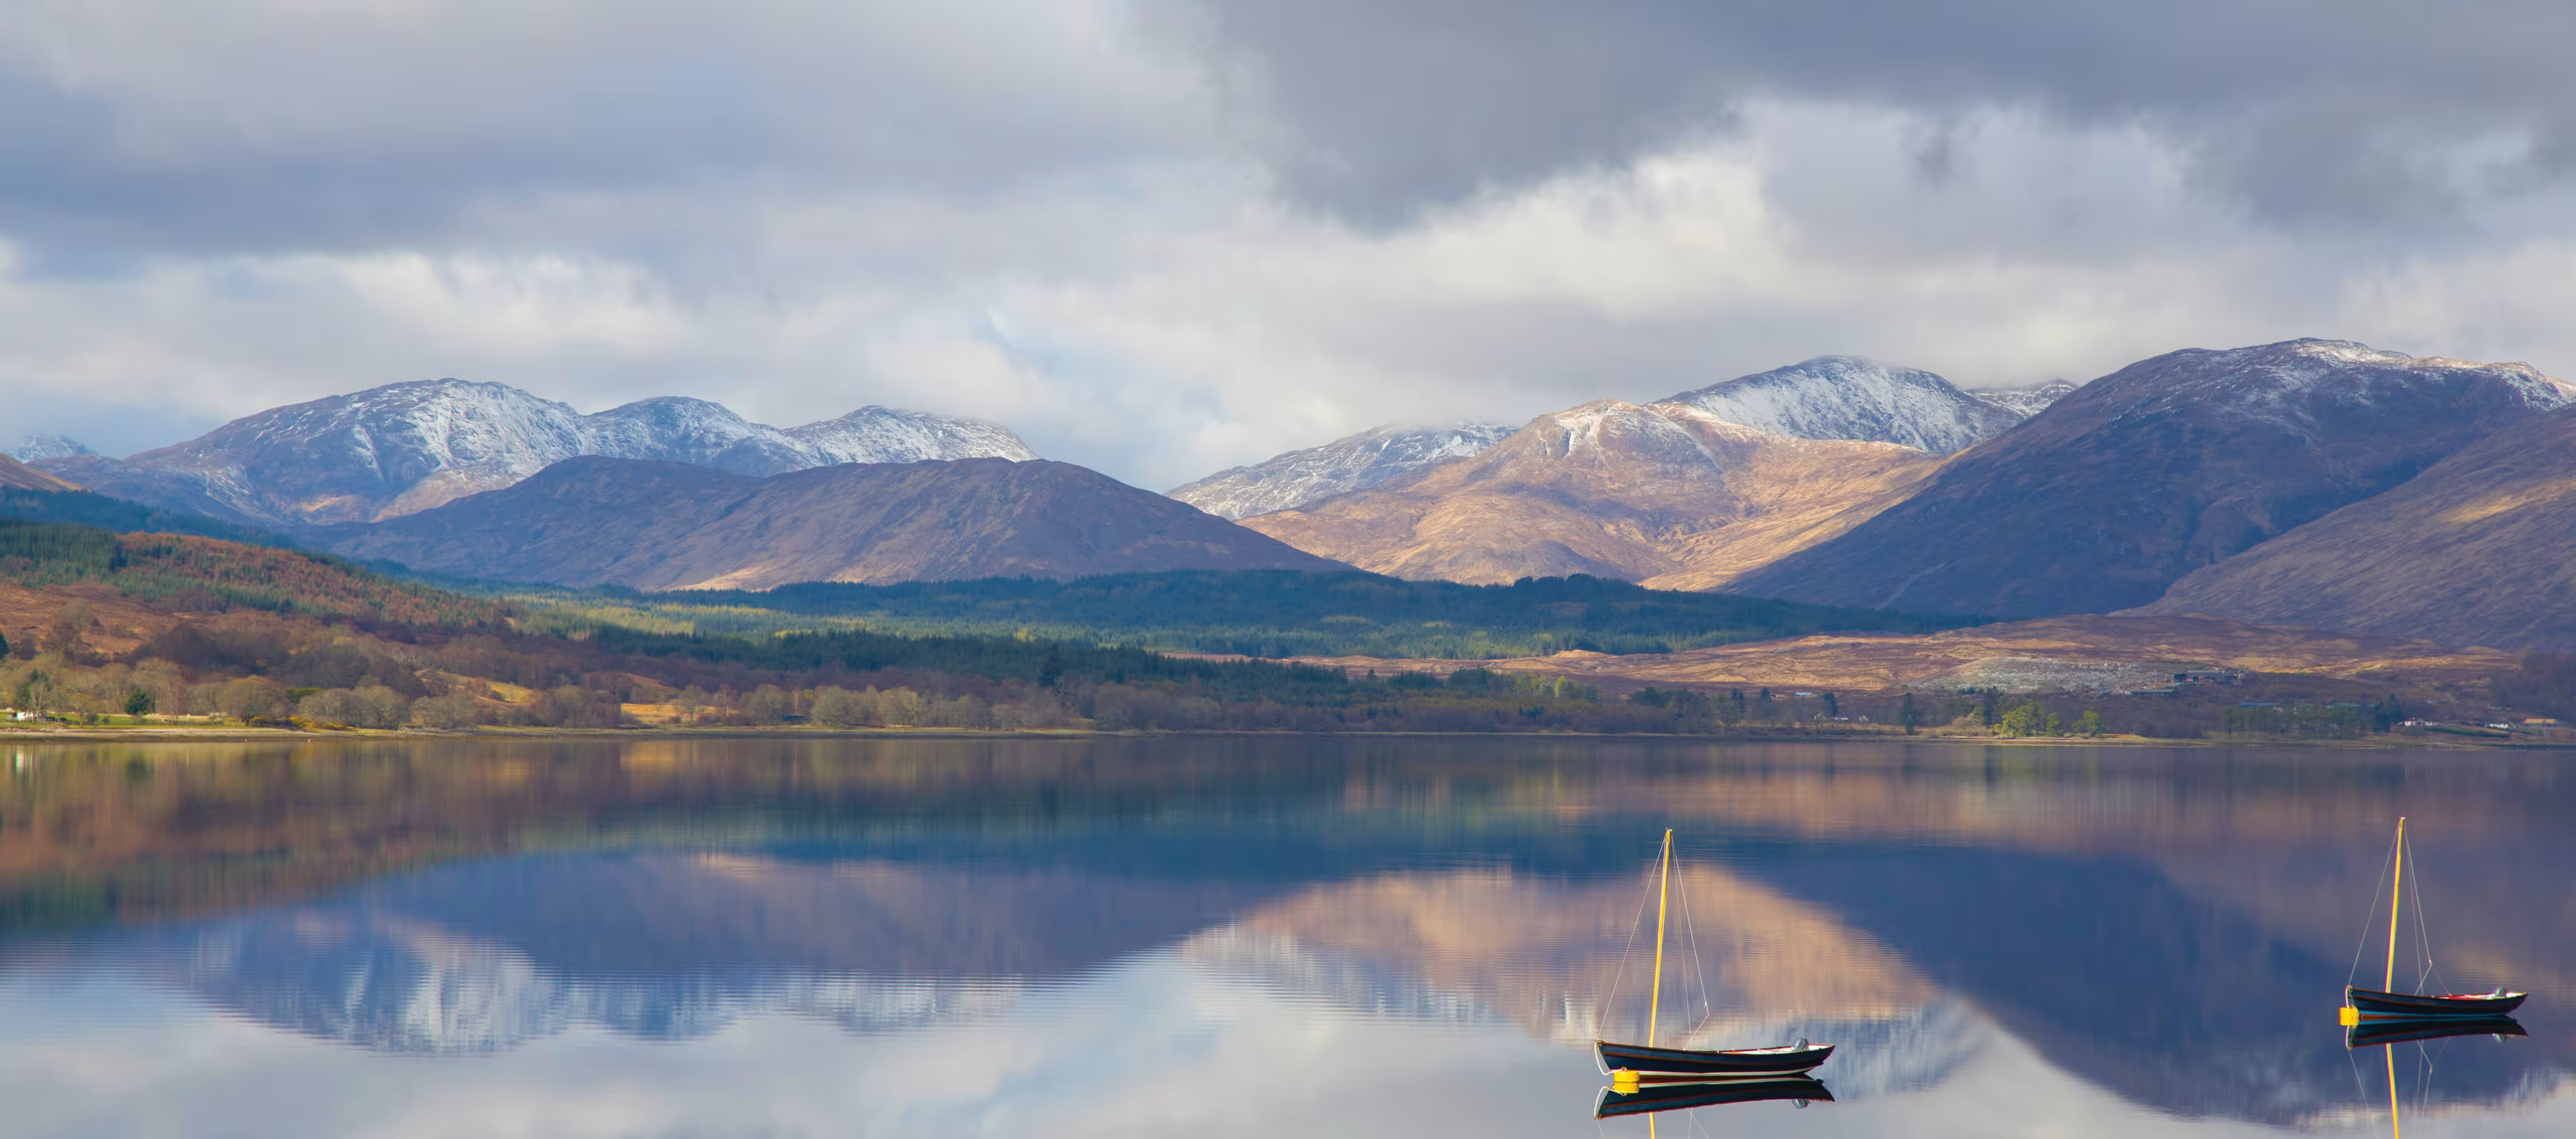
<point x="1857" y="399"/>
<point x="1354" y="462"/>
<point x="659" y="525"/>
<point x="2170" y="464"/>
<point x="1664" y="495"/>
<point x="401" y="448"/>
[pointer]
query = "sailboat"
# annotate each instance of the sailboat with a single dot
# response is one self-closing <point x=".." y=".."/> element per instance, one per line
<point x="2385" y="1003"/>
<point x="1633" y="1063"/>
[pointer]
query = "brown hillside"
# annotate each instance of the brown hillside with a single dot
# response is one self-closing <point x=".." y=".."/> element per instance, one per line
<point x="20" y="475"/>
<point x="654" y="525"/>
<point x="2480" y="549"/>
<point x="1664" y="495"/>
<point x="1881" y="661"/>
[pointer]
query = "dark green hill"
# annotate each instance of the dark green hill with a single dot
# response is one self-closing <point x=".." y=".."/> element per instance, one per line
<point x="1265" y="613"/>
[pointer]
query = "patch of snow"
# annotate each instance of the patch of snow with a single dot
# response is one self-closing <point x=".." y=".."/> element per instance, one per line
<point x="43" y="446"/>
<point x="1297" y="478"/>
<point x="2025" y="402"/>
<point x="1847" y="397"/>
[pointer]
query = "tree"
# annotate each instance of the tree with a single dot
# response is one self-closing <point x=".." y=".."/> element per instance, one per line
<point x="2024" y="720"/>
<point x="767" y="704"/>
<point x="70" y="634"/>
<point x="1986" y="708"/>
<point x="254" y="698"/>
<point x="138" y="703"/>
<point x="455" y="711"/>
<point x="2090" y="724"/>
<point x="2387" y="714"/>
<point x="1908" y="716"/>
<point x="1832" y="712"/>
<point x="838" y="708"/>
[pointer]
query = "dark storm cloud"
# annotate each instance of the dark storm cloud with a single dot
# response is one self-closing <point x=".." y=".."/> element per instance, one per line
<point x="262" y="127"/>
<point x="2303" y="111"/>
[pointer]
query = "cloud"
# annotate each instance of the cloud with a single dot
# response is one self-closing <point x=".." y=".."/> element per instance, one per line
<point x="1162" y="237"/>
<point x="1376" y="109"/>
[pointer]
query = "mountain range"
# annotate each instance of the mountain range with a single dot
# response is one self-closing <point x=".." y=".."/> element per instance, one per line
<point x="1666" y="495"/>
<point x="402" y="448"/>
<point x="2316" y="482"/>
<point x="2163" y="467"/>
<point x="666" y="525"/>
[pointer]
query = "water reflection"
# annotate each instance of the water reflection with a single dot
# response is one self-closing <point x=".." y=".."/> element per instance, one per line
<point x="1043" y="937"/>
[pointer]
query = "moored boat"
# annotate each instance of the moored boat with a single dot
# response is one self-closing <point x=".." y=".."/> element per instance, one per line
<point x="2373" y="1004"/>
<point x="2385" y="1003"/>
<point x="1649" y="1063"/>
<point x="1630" y="1064"/>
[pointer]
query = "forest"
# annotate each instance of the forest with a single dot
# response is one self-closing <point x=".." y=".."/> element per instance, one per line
<point x="1255" y="613"/>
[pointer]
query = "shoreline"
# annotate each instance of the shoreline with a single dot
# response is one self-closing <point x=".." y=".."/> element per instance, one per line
<point x="90" y="734"/>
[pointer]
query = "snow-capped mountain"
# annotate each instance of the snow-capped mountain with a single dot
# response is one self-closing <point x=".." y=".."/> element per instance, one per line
<point x="1846" y="397"/>
<point x="2168" y="465"/>
<point x="404" y="448"/>
<point x="36" y="447"/>
<point x="1291" y="480"/>
<point x="2025" y="402"/>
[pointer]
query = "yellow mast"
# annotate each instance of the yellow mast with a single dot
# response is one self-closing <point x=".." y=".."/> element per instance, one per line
<point x="2393" y="1132"/>
<point x="2389" y="984"/>
<point x="1663" y="896"/>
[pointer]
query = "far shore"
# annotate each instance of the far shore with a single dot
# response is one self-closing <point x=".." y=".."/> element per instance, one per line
<point x="51" y="733"/>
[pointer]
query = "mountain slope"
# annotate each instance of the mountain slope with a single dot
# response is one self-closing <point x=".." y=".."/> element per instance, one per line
<point x="402" y="448"/>
<point x="1667" y="496"/>
<point x="2478" y="550"/>
<point x="662" y="525"/>
<point x="35" y="447"/>
<point x="2163" y="467"/>
<point x="1846" y="397"/>
<point x="2025" y="402"/>
<point x="1355" y="462"/>
<point x="23" y="477"/>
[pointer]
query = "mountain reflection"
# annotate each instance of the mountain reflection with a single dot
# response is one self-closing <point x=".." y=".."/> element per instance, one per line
<point x="2161" y="925"/>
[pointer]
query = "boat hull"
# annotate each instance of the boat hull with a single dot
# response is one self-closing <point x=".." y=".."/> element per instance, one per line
<point x="1653" y="1062"/>
<point x="1652" y="1098"/>
<point x="2406" y="1030"/>
<point x="2374" y="1004"/>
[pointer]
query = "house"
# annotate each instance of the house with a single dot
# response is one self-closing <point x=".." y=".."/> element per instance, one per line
<point x="2204" y="676"/>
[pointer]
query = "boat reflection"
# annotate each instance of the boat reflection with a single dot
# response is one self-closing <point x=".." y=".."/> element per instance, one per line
<point x="1650" y="1098"/>
<point x="2372" y="1034"/>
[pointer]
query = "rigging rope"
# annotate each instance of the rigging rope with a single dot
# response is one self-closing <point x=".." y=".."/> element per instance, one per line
<point x="2423" y="934"/>
<point x="2364" y="947"/>
<point x="1611" y="1002"/>
<point x="1690" y="930"/>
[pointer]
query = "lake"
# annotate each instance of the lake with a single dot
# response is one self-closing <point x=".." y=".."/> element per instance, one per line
<point x="1252" y="936"/>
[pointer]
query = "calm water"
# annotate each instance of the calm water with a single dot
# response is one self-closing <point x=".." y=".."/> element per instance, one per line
<point x="1256" y="938"/>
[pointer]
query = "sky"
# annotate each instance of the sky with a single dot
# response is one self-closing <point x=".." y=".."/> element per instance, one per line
<point x="1162" y="237"/>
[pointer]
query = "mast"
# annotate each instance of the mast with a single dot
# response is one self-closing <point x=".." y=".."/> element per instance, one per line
<point x="2389" y="983"/>
<point x="1663" y="897"/>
